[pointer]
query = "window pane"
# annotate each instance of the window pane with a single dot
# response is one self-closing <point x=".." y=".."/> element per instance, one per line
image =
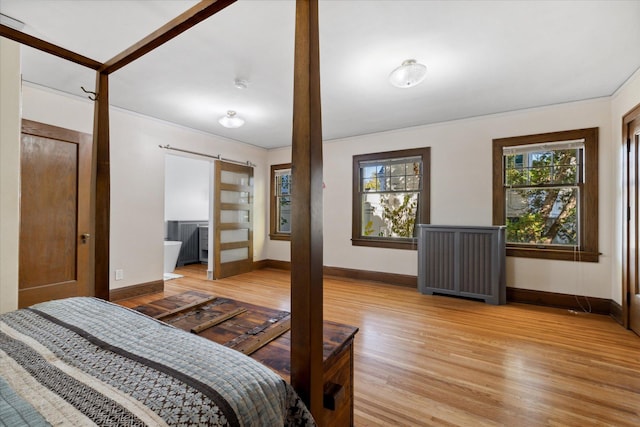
<point x="369" y="178"/>
<point x="389" y="215"/>
<point x="515" y="172"/>
<point x="283" y="182"/>
<point x="234" y="196"/>
<point x="542" y="216"/>
<point x="280" y="202"/>
<point x="283" y="214"/>
<point x="236" y="178"/>
<point x="398" y="170"/>
<point x="230" y="255"/>
<point x="231" y="216"/>
<point x="542" y="168"/>
<point x="391" y="175"/>
<point x="565" y="174"/>
<point x="398" y="183"/>
<point x="238" y="235"/>
<point x="413" y="183"/>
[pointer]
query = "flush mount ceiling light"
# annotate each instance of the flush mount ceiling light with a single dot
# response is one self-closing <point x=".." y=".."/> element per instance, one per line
<point x="241" y="84"/>
<point x="409" y="74"/>
<point x="231" y="121"/>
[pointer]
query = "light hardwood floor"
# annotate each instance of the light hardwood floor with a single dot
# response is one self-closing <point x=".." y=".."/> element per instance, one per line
<point x="434" y="360"/>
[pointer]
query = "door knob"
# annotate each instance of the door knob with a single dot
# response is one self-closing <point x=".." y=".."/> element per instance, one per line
<point x="85" y="237"/>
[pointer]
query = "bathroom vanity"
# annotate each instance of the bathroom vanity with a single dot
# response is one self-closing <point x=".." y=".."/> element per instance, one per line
<point x="188" y="233"/>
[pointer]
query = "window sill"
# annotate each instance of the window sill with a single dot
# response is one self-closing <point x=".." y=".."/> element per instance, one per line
<point x="551" y="253"/>
<point x="280" y="237"/>
<point x="409" y="244"/>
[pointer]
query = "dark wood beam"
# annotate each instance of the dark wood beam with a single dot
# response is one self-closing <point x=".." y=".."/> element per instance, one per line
<point x="173" y="28"/>
<point x="47" y="47"/>
<point x="102" y="193"/>
<point x="306" y="231"/>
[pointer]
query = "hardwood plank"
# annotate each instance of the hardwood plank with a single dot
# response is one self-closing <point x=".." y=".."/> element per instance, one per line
<point x="217" y="320"/>
<point x="256" y="342"/>
<point x="435" y="360"/>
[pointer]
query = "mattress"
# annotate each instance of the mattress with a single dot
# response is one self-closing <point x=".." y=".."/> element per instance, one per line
<point x="84" y="361"/>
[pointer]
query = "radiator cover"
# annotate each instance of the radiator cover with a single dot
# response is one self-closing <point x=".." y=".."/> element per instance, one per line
<point x="462" y="260"/>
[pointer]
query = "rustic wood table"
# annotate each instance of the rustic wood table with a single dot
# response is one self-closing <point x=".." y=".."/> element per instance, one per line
<point x="263" y="334"/>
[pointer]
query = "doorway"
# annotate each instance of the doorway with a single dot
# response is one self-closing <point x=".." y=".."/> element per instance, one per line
<point x="56" y="237"/>
<point x="631" y="191"/>
<point x="187" y="210"/>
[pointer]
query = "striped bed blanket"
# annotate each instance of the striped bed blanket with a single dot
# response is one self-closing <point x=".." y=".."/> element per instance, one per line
<point x="83" y="361"/>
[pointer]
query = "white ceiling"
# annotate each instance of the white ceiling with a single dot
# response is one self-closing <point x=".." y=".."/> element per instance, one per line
<point x="482" y="57"/>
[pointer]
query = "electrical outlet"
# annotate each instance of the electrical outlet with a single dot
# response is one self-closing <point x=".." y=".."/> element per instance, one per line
<point x="119" y="274"/>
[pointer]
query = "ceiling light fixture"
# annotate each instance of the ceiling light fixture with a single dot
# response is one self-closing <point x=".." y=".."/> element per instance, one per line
<point x="409" y="74"/>
<point x="240" y="83"/>
<point x="231" y="121"/>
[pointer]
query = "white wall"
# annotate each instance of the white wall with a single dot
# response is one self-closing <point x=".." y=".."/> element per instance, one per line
<point x="137" y="177"/>
<point x="281" y="249"/>
<point x="461" y="189"/>
<point x="9" y="173"/>
<point x="460" y="192"/>
<point x="186" y="190"/>
<point x="623" y="101"/>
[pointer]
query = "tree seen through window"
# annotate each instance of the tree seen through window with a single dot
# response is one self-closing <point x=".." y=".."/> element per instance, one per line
<point x="542" y="194"/>
<point x="390" y="196"/>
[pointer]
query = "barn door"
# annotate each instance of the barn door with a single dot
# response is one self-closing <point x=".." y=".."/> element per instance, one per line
<point x="233" y="219"/>
<point x="55" y="227"/>
<point x="631" y="293"/>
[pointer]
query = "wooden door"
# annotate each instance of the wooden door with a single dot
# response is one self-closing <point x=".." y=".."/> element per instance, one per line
<point x="55" y="224"/>
<point x="631" y="257"/>
<point x="233" y="219"/>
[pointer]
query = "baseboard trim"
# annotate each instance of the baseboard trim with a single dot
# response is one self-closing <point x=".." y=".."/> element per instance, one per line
<point x="349" y="273"/>
<point x="615" y="310"/>
<point x="523" y="296"/>
<point x="136" y="290"/>
<point x="566" y="301"/>
<point x="372" y="276"/>
<point x="272" y="263"/>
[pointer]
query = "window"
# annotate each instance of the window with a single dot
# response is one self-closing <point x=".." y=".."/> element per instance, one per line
<point x="280" y="202"/>
<point x="545" y="190"/>
<point x="390" y="196"/>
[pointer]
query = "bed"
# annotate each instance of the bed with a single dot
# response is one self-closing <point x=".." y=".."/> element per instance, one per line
<point x="84" y="361"/>
<point x="306" y="237"/>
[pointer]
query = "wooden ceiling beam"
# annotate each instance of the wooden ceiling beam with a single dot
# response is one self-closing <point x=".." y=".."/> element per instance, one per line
<point x="47" y="47"/>
<point x="173" y="28"/>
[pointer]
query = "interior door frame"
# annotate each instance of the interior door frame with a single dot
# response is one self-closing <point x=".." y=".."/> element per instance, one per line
<point x="630" y="210"/>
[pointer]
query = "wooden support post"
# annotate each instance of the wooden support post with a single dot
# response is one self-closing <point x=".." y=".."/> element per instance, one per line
<point x="101" y="203"/>
<point x="101" y="175"/>
<point x="306" y="231"/>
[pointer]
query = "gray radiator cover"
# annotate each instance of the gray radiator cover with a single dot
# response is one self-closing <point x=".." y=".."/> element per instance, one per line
<point x="462" y="260"/>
